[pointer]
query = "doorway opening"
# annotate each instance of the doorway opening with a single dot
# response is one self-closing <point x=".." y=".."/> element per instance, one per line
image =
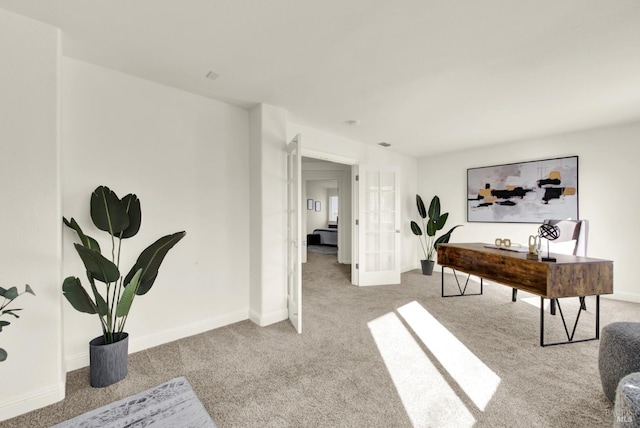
<point x="322" y="216"/>
<point x="327" y="213"/>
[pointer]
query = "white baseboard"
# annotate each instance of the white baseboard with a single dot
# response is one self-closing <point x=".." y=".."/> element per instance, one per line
<point x="31" y="401"/>
<point x="627" y="297"/>
<point x="270" y="318"/>
<point x="140" y="343"/>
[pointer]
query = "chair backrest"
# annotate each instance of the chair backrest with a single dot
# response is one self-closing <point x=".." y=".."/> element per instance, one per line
<point x="573" y="238"/>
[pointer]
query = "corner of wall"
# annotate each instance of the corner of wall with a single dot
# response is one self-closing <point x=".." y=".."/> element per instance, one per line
<point x="268" y="263"/>
<point x="255" y="206"/>
<point x="32" y="248"/>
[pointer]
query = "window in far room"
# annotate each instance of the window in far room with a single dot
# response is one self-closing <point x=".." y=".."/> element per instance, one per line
<point x="333" y="208"/>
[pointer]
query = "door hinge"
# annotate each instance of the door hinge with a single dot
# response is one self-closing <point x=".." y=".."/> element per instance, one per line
<point x="357" y="178"/>
<point x="357" y="266"/>
<point x="357" y="222"/>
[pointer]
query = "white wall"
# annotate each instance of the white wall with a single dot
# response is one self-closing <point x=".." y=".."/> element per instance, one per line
<point x="608" y="175"/>
<point x="187" y="159"/>
<point x="331" y="193"/>
<point x="32" y="376"/>
<point x="268" y="215"/>
<point x="317" y="192"/>
<point x="344" y="150"/>
<point x="255" y="214"/>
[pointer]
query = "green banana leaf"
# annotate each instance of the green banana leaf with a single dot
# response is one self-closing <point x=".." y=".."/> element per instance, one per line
<point x="131" y="205"/>
<point x="441" y="221"/>
<point x="445" y="238"/>
<point x="434" y="208"/>
<point x="122" y="310"/>
<point x="421" y="209"/>
<point x="77" y="295"/>
<point x="107" y="211"/>
<point x="151" y="259"/>
<point x="97" y="265"/>
<point x="101" y="305"/>
<point x="87" y="241"/>
<point x="431" y="228"/>
<point x="416" y="229"/>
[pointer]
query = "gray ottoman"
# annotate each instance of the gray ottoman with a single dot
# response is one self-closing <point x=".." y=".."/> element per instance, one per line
<point x="619" y="354"/>
<point x="627" y="409"/>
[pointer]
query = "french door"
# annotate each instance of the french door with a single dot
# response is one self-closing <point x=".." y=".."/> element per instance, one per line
<point x="378" y="226"/>
<point x="294" y="217"/>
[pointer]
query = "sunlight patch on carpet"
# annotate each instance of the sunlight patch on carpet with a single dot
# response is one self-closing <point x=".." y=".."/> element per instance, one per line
<point x="535" y="301"/>
<point x="427" y="397"/>
<point x="477" y="380"/>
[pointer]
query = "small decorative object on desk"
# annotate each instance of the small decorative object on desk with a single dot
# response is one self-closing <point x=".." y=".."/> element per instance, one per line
<point x="506" y="243"/>
<point x="550" y="233"/>
<point x="534" y="247"/>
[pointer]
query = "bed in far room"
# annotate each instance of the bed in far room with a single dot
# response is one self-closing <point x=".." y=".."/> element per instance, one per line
<point x="327" y="236"/>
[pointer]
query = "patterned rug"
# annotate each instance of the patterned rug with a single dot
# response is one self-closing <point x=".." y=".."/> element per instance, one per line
<point x="172" y="404"/>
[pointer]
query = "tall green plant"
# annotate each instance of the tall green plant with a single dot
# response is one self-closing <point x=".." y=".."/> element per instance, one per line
<point x="9" y="296"/>
<point x="121" y="219"/>
<point x="431" y="226"/>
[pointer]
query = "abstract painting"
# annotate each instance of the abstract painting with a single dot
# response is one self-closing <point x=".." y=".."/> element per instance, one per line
<point x="526" y="192"/>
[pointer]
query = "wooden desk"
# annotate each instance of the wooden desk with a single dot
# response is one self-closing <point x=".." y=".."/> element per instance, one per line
<point x="569" y="276"/>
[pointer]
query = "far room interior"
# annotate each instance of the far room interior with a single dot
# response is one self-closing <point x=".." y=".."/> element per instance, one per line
<point x="326" y="196"/>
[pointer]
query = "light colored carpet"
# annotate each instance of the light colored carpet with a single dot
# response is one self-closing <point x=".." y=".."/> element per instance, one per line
<point x="362" y="362"/>
<point x="172" y="404"/>
<point x="322" y="249"/>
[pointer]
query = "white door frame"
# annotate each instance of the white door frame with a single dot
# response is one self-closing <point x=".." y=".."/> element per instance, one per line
<point x="294" y="207"/>
<point x="329" y="157"/>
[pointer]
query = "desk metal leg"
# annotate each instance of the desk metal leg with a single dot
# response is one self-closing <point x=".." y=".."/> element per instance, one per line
<point x="583" y="305"/>
<point x="462" y="291"/>
<point x="570" y="338"/>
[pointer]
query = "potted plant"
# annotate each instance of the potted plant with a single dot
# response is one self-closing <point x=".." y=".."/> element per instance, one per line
<point x="121" y="219"/>
<point x="9" y="296"/>
<point x="430" y="226"/>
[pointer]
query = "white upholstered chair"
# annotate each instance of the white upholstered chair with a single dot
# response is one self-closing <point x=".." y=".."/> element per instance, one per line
<point x="573" y="240"/>
<point x="573" y="237"/>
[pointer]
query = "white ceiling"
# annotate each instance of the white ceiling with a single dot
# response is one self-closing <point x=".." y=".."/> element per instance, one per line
<point x="426" y="76"/>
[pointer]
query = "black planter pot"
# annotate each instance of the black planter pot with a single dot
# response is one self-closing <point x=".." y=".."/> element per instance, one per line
<point x="108" y="363"/>
<point x="427" y="266"/>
